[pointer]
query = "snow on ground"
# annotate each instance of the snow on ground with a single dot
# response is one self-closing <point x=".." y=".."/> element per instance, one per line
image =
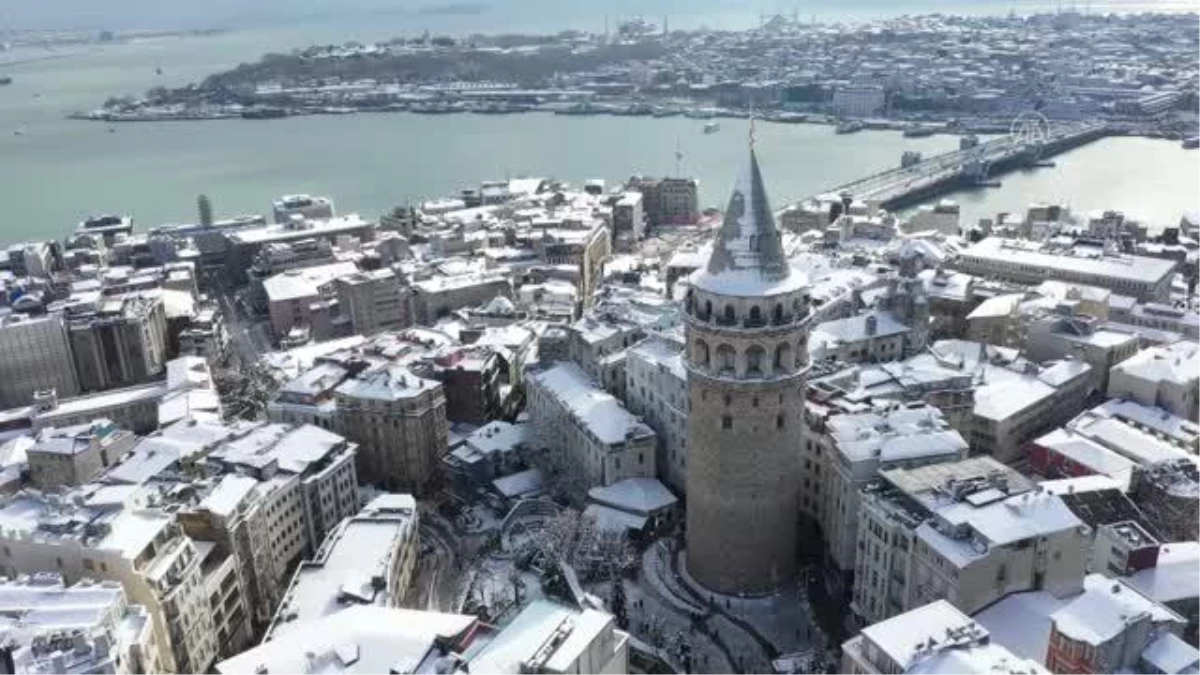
<point x="659" y="624"/>
<point x="783" y="618"/>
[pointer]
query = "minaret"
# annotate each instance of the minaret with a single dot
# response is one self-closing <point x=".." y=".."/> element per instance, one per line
<point x="747" y="359"/>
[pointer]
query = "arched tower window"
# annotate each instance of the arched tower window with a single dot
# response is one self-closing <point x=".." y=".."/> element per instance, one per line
<point x="730" y="315"/>
<point x="778" y="314"/>
<point x="783" y="357"/>
<point x="726" y="360"/>
<point x="701" y="353"/>
<point x="755" y="318"/>
<point x="756" y="357"/>
<point x="707" y="310"/>
<point x="802" y="350"/>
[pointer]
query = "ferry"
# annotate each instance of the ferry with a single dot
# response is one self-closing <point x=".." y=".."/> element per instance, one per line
<point x="264" y="113"/>
<point x="712" y="128"/>
<point x="849" y="127"/>
<point x="918" y="131"/>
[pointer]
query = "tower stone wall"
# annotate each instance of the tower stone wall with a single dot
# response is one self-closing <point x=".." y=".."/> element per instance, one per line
<point x="747" y="322"/>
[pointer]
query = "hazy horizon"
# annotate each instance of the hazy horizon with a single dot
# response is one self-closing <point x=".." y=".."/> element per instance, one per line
<point x="500" y="14"/>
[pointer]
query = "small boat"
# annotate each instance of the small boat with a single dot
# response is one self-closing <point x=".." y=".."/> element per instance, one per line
<point x="1191" y="143"/>
<point x="5" y="79"/>
<point x="712" y="128"/>
<point x="967" y="142"/>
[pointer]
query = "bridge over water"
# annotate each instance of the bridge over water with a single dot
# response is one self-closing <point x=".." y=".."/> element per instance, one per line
<point x="900" y="187"/>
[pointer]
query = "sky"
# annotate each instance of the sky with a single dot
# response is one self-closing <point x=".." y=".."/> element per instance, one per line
<point x="187" y="14"/>
<point x="127" y="14"/>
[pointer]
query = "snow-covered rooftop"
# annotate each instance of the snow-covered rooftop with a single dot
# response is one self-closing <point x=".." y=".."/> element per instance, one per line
<point x="896" y="435"/>
<point x="353" y="565"/>
<point x="531" y="631"/>
<point x="644" y="496"/>
<point x="359" y="639"/>
<point x="304" y="282"/>
<point x="1079" y="260"/>
<point x="595" y="408"/>
<point x="1178" y="363"/>
<point x="1173" y="576"/>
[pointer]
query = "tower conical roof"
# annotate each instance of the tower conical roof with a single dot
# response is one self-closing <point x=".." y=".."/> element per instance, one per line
<point x="747" y="256"/>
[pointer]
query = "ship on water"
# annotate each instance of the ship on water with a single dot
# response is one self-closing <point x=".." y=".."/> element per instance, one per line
<point x="264" y="113"/>
<point x="712" y="128"/>
<point x="849" y="127"/>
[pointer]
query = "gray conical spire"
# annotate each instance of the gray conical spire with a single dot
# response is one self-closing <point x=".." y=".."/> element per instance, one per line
<point x="748" y="240"/>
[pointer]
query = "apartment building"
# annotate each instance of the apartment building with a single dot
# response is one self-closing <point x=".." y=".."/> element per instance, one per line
<point x="656" y="391"/>
<point x="322" y="462"/>
<point x="399" y="422"/>
<point x="1028" y="262"/>
<point x="368" y="559"/>
<point x="89" y="627"/>
<point x="933" y="638"/>
<point x="119" y="342"/>
<point x="1104" y="627"/>
<point x="116" y="535"/>
<point x="306" y="207"/>
<point x="970" y="532"/>
<point x="847" y="451"/>
<point x="437" y="296"/>
<point x="72" y="456"/>
<point x="586" y="430"/>
<point x="628" y="217"/>
<point x="1021" y="400"/>
<point x="303" y="298"/>
<point x="669" y="201"/>
<point x="35" y="355"/>
<point x="544" y="637"/>
<point x="374" y="300"/>
<point x="1061" y="335"/>
<point x="1167" y="377"/>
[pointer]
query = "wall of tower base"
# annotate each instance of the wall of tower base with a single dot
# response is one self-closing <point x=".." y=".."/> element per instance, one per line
<point x="743" y="503"/>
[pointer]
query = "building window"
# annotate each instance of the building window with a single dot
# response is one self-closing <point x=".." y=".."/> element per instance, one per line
<point x="755" y="317"/>
<point x="755" y="356"/>
<point x="726" y="360"/>
<point x="730" y="316"/>
<point x="779" y="422"/>
<point x="783" y="357"/>
<point x="726" y="422"/>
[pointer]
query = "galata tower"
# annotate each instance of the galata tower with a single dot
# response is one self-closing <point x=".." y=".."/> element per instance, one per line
<point x="747" y="359"/>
